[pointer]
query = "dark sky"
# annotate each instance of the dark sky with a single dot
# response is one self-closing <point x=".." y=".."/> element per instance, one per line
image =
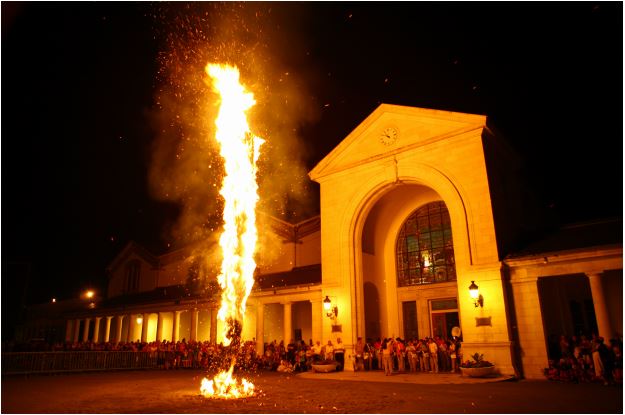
<point x="80" y="81"/>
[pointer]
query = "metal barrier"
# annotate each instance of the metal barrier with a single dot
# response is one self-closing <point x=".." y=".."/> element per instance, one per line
<point x="53" y="362"/>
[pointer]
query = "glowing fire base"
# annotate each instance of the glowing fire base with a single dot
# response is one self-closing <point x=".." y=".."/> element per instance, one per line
<point x="226" y="387"/>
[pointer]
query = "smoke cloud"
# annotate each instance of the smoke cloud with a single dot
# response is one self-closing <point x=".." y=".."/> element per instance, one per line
<point x="263" y="41"/>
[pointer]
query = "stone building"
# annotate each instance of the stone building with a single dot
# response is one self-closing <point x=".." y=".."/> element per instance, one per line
<point x="416" y="206"/>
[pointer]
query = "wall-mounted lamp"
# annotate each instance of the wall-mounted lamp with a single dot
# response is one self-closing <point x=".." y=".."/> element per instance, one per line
<point x="139" y="320"/>
<point x="474" y="291"/>
<point x="332" y="312"/>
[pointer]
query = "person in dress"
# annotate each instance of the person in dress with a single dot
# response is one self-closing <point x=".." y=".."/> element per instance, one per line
<point x="387" y="357"/>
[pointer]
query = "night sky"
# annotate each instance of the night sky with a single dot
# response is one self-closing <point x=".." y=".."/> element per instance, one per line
<point x="87" y="88"/>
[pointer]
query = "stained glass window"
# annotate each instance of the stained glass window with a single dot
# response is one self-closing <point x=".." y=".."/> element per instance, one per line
<point x="425" y="249"/>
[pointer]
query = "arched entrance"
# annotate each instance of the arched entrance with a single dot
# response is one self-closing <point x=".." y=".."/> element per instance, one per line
<point x="408" y="270"/>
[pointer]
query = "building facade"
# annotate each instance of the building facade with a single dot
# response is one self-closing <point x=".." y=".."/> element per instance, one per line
<point x="417" y="205"/>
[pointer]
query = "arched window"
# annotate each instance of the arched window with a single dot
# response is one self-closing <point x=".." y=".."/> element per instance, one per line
<point x="425" y="249"/>
<point x="133" y="273"/>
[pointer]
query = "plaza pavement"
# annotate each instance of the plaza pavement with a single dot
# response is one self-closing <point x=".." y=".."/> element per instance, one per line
<point x="405" y="377"/>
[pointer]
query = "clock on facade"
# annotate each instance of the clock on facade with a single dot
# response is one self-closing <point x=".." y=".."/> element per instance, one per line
<point x="388" y="136"/>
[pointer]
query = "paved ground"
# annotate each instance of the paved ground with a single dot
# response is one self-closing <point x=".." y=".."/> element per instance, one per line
<point x="178" y="392"/>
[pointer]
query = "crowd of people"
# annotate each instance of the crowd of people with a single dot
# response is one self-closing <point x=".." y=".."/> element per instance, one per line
<point x="428" y="355"/>
<point x="578" y="359"/>
<point x="169" y="355"/>
<point x="587" y="360"/>
<point x="388" y="355"/>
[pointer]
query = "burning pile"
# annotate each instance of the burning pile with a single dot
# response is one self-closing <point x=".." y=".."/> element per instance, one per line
<point x="240" y="150"/>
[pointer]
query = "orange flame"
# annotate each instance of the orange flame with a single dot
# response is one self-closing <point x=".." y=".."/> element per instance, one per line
<point x="240" y="150"/>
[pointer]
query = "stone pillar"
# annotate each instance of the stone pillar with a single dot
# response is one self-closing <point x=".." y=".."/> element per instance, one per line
<point x="176" y="327"/>
<point x="601" y="307"/>
<point x="68" y="331"/>
<point x="85" y="333"/>
<point x="144" y="327"/>
<point x="130" y="324"/>
<point x="118" y="329"/>
<point x="288" y="329"/>
<point x="159" y="327"/>
<point x="194" y="323"/>
<point x="107" y="330"/>
<point x="213" y="333"/>
<point x="317" y="321"/>
<point x="260" y="329"/>
<point x="76" y="329"/>
<point x="96" y="329"/>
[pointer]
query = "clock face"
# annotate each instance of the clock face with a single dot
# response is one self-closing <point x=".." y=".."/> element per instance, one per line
<point x="388" y="136"/>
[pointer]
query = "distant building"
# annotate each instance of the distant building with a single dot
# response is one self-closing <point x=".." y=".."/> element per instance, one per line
<point x="417" y="205"/>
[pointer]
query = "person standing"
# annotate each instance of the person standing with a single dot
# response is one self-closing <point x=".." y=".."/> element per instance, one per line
<point x="387" y="357"/>
<point x="597" y="342"/>
<point x="453" y="356"/>
<point x="424" y="358"/>
<point x="339" y="354"/>
<point x="290" y="352"/>
<point x="316" y="352"/>
<point x="411" y="351"/>
<point x="360" y="351"/>
<point x="400" y="350"/>
<point x="433" y="356"/>
<point x="377" y="346"/>
<point x="443" y="356"/>
<point x="368" y="355"/>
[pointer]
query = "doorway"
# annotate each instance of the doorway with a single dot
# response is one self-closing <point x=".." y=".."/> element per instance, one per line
<point x="444" y="316"/>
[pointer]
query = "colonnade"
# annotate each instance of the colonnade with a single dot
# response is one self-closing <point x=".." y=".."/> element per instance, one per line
<point x="92" y="332"/>
<point x="287" y="332"/>
<point x="92" y="328"/>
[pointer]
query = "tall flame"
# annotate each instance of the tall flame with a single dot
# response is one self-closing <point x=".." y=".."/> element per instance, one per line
<point x="240" y="150"/>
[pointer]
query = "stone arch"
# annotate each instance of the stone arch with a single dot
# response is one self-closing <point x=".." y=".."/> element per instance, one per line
<point x="360" y="207"/>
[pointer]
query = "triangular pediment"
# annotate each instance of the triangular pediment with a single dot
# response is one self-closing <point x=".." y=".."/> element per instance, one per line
<point x="391" y="129"/>
<point x="132" y="248"/>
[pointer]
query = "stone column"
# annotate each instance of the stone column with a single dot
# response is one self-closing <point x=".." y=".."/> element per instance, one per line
<point x="176" y="327"/>
<point x="118" y="329"/>
<point x="85" y="333"/>
<point x="213" y="333"/>
<point x="144" y="327"/>
<point x="96" y="329"/>
<point x="68" y="331"/>
<point x="288" y="330"/>
<point x="601" y="307"/>
<point x="194" y="323"/>
<point x="130" y="324"/>
<point x="76" y="329"/>
<point x="317" y="321"/>
<point x="107" y="329"/>
<point x="260" y="329"/>
<point x="159" y="327"/>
